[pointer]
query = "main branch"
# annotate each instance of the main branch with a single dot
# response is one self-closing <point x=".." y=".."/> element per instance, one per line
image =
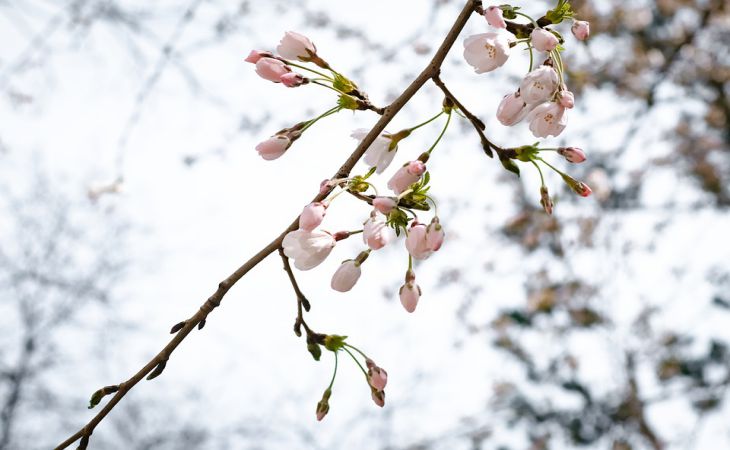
<point x="157" y="364"/>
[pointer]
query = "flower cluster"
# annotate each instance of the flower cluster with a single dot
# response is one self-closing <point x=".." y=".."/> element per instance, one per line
<point x="542" y="98"/>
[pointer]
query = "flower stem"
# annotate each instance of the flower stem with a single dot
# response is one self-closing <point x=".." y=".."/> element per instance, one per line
<point x="448" y="120"/>
<point x="315" y="81"/>
<point x="323" y="75"/>
<point x="550" y="166"/>
<point x="426" y="122"/>
<point x="534" y="22"/>
<point x="410" y="262"/>
<point x="529" y="47"/>
<point x="334" y="374"/>
<point x="357" y="350"/>
<point x="542" y="179"/>
<point x="355" y="359"/>
<point x="321" y="116"/>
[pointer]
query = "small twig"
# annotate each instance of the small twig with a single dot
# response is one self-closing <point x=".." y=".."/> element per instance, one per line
<point x="479" y="126"/>
<point x="302" y="302"/>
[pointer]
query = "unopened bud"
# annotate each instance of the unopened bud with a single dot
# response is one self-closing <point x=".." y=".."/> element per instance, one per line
<point x="545" y="200"/>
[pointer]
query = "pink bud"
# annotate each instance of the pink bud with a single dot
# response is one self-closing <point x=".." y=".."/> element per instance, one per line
<point x="255" y="55"/>
<point x="273" y="147"/>
<point x="543" y="40"/>
<point x="346" y="276"/>
<point x="384" y="204"/>
<point x="378" y="397"/>
<point x="581" y="29"/>
<point x="410" y="292"/>
<point x="545" y="200"/>
<point x="572" y="154"/>
<point x="312" y="215"/>
<point x="494" y="16"/>
<point x="406" y="176"/>
<point x="416" y="168"/>
<point x="293" y="79"/>
<point x="377" y="377"/>
<point x="325" y="186"/>
<point x="583" y="189"/>
<point x="434" y="235"/>
<point x="512" y="109"/>
<point x="376" y="233"/>
<point x="271" y="69"/>
<point x="296" y="46"/>
<point x="567" y="99"/>
<point x="416" y="243"/>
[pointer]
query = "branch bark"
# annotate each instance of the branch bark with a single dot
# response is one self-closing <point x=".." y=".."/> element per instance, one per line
<point x="155" y="366"/>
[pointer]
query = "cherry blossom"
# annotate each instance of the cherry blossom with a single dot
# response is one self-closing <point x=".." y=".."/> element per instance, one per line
<point x="486" y="52"/>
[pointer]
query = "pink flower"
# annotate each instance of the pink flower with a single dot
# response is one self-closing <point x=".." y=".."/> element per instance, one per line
<point x="271" y="69"/>
<point x="547" y="119"/>
<point x="378" y="396"/>
<point x="293" y="79"/>
<point x="581" y="29"/>
<point x="487" y="51"/>
<point x="512" y="109"/>
<point x="255" y="55"/>
<point x="539" y="85"/>
<point x="406" y="176"/>
<point x="379" y="154"/>
<point x="567" y="99"/>
<point x="494" y="14"/>
<point x="572" y="154"/>
<point x="376" y="234"/>
<point x="410" y="292"/>
<point x="435" y="235"/>
<point x="312" y="216"/>
<point x="346" y="276"/>
<point x="416" y="241"/>
<point x="308" y="248"/>
<point x="543" y="40"/>
<point x="377" y="376"/>
<point x="296" y="46"/>
<point x="273" y="147"/>
<point x="384" y="204"/>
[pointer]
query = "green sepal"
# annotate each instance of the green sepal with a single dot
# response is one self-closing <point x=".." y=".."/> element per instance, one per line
<point x="343" y="84"/>
<point x="508" y="11"/>
<point x="510" y="165"/>
<point x="562" y="11"/>
<point x="334" y="342"/>
<point x="348" y="102"/>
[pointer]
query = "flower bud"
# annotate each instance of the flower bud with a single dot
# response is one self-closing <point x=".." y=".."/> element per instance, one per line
<point x="378" y="396"/>
<point x="376" y="233"/>
<point x="434" y="235"/>
<point x="273" y="147"/>
<point x="572" y="154"/>
<point x="567" y="99"/>
<point x="547" y="119"/>
<point x="543" y="40"/>
<point x="416" y="242"/>
<point x="377" y="376"/>
<point x="255" y="55"/>
<point x="545" y="200"/>
<point x="406" y="176"/>
<point x="512" y="109"/>
<point x="323" y="405"/>
<point x="581" y="29"/>
<point x="410" y="292"/>
<point x="494" y="16"/>
<point x="578" y="187"/>
<point x="271" y="69"/>
<point x="346" y="276"/>
<point x="312" y="216"/>
<point x="293" y="79"/>
<point x="296" y="46"/>
<point x="384" y="204"/>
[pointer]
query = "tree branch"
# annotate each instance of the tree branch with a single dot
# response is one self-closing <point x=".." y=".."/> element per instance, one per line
<point x="157" y="363"/>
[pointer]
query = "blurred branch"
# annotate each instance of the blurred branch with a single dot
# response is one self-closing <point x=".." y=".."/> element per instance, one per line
<point x="156" y="365"/>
